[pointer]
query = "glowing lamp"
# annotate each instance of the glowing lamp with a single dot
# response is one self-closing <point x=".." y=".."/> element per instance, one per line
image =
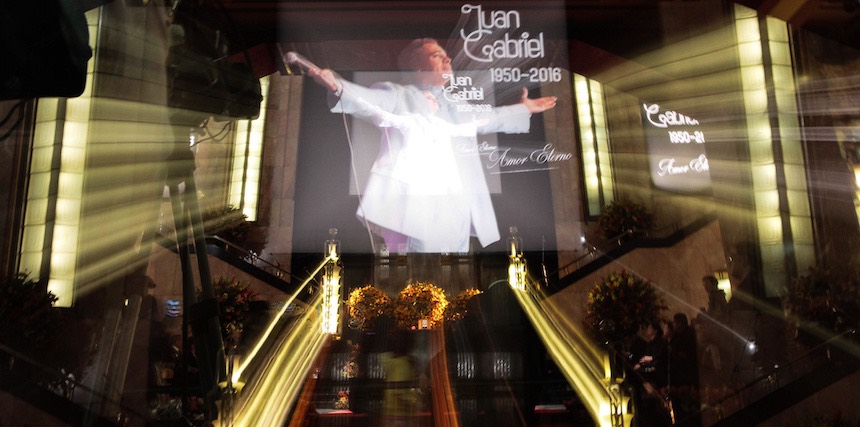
<point x="331" y="286"/>
<point x="517" y="268"/>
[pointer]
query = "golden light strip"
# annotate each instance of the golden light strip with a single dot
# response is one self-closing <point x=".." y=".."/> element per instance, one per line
<point x="794" y="162"/>
<point x="272" y="391"/>
<point x="269" y="400"/>
<point x="331" y="288"/>
<point x="517" y="268"/>
<point x="69" y="190"/>
<point x="591" y="116"/>
<point x="760" y="136"/>
<point x="244" y="188"/>
<point x="331" y="300"/>
<point x="237" y="374"/>
<point x="590" y="170"/>
<point x="583" y="365"/>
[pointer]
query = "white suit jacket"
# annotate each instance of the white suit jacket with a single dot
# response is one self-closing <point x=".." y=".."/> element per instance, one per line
<point x="428" y="181"/>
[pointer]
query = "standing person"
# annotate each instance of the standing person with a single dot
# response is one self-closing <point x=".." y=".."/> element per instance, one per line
<point x="404" y="204"/>
<point x="400" y="397"/>
<point x="711" y="324"/>
<point x="652" y="370"/>
<point x="715" y="372"/>
<point x="682" y="352"/>
<point x="717" y="304"/>
<point x="684" y="372"/>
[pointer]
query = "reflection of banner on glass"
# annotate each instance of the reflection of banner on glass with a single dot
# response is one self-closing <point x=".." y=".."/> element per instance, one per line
<point x="676" y="150"/>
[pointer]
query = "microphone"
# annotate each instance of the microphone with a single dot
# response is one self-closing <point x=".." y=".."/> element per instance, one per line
<point x="294" y="58"/>
<point x="327" y="80"/>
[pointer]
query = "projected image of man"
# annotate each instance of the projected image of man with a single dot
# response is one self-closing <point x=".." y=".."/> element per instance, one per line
<point x="426" y="191"/>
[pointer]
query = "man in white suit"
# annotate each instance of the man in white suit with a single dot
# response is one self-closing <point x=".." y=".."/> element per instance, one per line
<point x="427" y="187"/>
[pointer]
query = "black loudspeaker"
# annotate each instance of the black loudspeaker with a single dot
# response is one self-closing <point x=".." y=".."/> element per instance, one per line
<point x="44" y="46"/>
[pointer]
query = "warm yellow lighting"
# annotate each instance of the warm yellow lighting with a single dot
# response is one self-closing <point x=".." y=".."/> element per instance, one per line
<point x="579" y="360"/>
<point x="755" y="95"/>
<point x="331" y="285"/>
<point x="65" y="238"/>
<point x="777" y="30"/>
<point x="767" y="201"/>
<point x="586" y="133"/>
<point x="517" y="273"/>
<point x="517" y="268"/>
<point x="724" y="283"/>
<point x="591" y="121"/>
<point x="248" y="159"/>
<point x="331" y="299"/>
<point x="63" y="265"/>
<point x="264" y="401"/>
<point x="607" y="367"/>
<point x="64" y="290"/>
<point x="857" y="176"/>
<point x="750" y="53"/>
<point x="605" y="409"/>
<point x="255" y="350"/>
<point x="764" y="177"/>
<point x="746" y="25"/>
<point x="758" y="128"/>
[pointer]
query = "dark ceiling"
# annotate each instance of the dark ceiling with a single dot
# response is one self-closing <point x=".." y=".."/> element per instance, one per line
<point x="621" y="27"/>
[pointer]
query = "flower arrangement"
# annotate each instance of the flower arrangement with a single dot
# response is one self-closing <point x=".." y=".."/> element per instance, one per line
<point x="457" y="307"/>
<point x="619" y="304"/>
<point x="419" y="301"/>
<point x="416" y="302"/>
<point x="350" y="368"/>
<point x="342" y="401"/>
<point x="367" y="303"/>
<point x="234" y="302"/>
<point x="623" y="216"/>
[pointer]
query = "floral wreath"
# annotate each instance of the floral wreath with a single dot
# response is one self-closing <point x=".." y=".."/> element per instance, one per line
<point x="418" y="302"/>
<point x="367" y="303"/>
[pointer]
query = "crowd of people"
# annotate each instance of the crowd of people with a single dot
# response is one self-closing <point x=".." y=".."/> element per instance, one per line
<point x="665" y="358"/>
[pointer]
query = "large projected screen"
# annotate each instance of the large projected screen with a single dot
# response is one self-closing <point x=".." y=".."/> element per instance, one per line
<point x="449" y="151"/>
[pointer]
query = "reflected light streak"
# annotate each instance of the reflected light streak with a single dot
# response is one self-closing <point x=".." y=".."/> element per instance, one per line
<point x="277" y="384"/>
<point x="444" y="407"/>
<point x="265" y="336"/>
<point x="580" y="361"/>
<point x="275" y="388"/>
